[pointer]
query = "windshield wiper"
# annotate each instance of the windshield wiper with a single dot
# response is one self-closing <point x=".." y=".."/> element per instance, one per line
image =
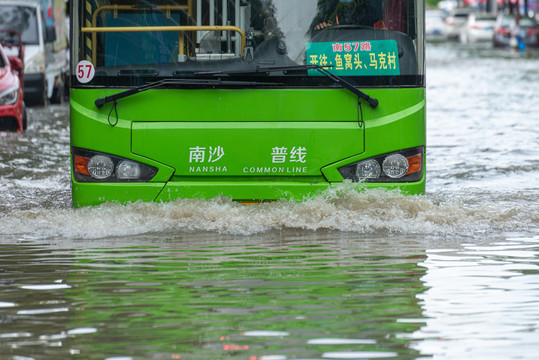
<point x="321" y="69"/>
<point x="167" y="82"/>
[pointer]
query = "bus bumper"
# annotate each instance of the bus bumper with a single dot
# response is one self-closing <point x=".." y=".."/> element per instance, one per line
<point x="91" y="194"/>
<point x="245" y="191"/>
<point x="268" y="191"/>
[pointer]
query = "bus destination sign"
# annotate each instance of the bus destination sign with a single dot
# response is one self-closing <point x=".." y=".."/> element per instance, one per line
<point x="355" y="58"/>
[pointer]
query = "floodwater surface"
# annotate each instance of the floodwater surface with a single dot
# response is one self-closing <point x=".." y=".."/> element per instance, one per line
<point x="453" y="274"/>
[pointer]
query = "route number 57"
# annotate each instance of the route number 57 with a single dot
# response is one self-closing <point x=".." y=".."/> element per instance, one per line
<point x="85" y="71"/>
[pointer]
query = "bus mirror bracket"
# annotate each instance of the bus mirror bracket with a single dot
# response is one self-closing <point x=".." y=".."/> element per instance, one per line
<point x="248" y="51"/>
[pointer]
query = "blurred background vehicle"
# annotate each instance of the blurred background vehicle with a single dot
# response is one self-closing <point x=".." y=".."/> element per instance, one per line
<point x="447" y="5"/>
<point x="529" y="31"/>
<point x="435" y="28"/>
<point x="502" y="32"/>
<point x="12" y="109"/>
<point x="478" y="27"/>
<point x="455" y="21"/>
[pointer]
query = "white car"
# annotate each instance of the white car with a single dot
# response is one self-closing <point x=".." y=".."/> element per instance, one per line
<point x="455" y="21"/>
<point x="479" y="27"/>
<point x="447" y="5"/>
<point x="435" y="28"/>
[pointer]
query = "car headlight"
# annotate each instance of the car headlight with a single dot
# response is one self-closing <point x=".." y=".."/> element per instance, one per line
<point x="9" y="96"/>
<point x="401" y="166"/>
<point x="36" y="64"/>
<point x="92" y="166"/>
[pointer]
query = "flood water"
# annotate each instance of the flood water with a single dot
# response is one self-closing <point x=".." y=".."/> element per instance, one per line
<point x="453" y="274"/>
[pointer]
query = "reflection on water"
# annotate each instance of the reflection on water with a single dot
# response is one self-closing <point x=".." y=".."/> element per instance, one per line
<point x="482" y="300"/>
<point x="276" y="296"/>
<point x="192" y="298"/>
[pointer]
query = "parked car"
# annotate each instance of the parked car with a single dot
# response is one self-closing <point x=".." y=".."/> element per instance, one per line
<point x="531" y="36"/>
<point x="447" y="5"/>
<point x="529" y="31"/>
<point x="435" y="25"/>
<point x="12" y="109"/>
<point x="42" y="25"/>
<point x="455" y="20"/>
<point x="478" y="27"/>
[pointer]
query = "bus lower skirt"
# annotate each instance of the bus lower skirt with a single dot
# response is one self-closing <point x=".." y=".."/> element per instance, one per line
<point x="89" y="194"/>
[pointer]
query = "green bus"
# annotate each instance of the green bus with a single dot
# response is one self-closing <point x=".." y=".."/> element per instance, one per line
<point x="254" y="100"/>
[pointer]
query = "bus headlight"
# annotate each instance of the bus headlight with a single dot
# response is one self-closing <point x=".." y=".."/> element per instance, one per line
<point x="128" y="169"/>
<point x="395" y="166"/>
<point x="401" y="166"/>
<point x="92" y="166"/>
<point x="368" y="169"/>
<point x="100" y="167"/>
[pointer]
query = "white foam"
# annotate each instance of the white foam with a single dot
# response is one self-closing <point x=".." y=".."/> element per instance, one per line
<point x="82" y="331"/>
<point x="339" y="341"/>
<point x="46" y="287"/>
<point x="265" y="333"/>
<point x="42" y="311"/>
<point x="273" y="357"/>
<point x="5" y="304"/>
<point x="358" y="354"/>
<point x="340" y="208"/>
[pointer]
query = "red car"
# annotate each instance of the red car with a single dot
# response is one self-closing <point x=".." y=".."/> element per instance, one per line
<point x="12" y="109"/>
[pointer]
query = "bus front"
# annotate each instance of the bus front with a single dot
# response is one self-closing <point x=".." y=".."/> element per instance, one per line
<point x="254" y="100"/>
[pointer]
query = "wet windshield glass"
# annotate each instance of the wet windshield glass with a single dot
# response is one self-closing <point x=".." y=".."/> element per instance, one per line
<point x="20" y="18"/>
<point x="370" y="42"/>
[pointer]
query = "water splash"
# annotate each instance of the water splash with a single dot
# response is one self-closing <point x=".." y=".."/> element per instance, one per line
<point x="340" y="208"/>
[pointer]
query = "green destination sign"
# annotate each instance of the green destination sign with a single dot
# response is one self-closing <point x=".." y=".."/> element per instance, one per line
<point x="355" y="58"/>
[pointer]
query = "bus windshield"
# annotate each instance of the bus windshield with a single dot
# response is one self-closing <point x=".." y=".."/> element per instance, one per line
<point x="133" y="42"/>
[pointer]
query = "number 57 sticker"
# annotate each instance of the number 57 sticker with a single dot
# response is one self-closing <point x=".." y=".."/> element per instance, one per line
<point x="85" y="71"/>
